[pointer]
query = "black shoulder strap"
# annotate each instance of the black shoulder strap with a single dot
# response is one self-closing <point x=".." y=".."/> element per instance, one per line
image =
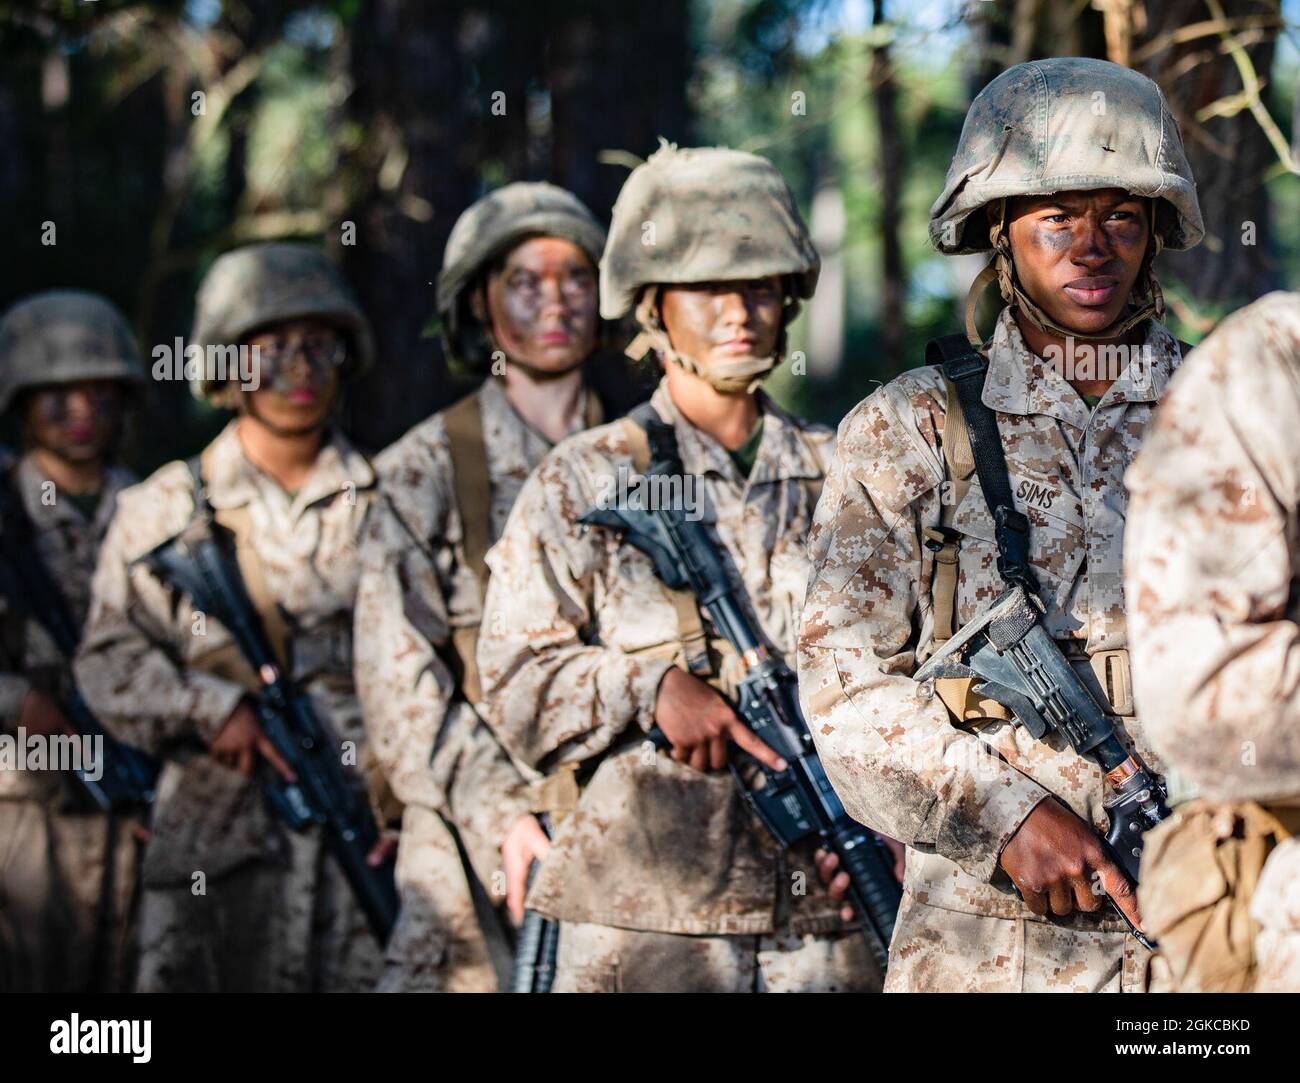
<point x="35" y="593"/>
<point x="967" y="369"/>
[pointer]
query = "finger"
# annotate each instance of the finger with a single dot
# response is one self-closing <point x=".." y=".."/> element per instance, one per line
<point x="539" y="846"/>
<point x="516" y="889"/>
<point x="1121" y="891"/>
<point x="1061" y="899"/>
<point x="1036" y="901"/>
<point x="718" y="753"/>
<point x="840" y="886"/>
<point x="678" y="753"/>
<point x="744" y="737"/>
<point x="272" y="754"/>
<point x="847" y="914"/>
<point x="244" y="761"/>
<point x="1086" y="900"/>
<point x="381" y="851"/>
<point x="699" y="760"/>
<point x="140" y="832"/>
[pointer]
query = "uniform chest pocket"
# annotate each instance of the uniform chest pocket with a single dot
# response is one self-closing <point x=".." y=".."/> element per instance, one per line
<point x="1056" y="534"/>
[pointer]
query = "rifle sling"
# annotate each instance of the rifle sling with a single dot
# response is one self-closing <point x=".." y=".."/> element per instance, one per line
<point x="966" y="368"/>
<point x="471" y="485"/>
<point x="20" y="533"/>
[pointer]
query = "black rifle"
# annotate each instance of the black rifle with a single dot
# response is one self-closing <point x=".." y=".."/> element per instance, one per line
<point x="201" y="563"/>
<point x="796" y="804"/>
<point x="127" y="777"/>
<point x="1007" y="650"/>
<point x="1013" y="660"/>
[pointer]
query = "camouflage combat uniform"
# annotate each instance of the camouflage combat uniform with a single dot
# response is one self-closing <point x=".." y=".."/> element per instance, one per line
<point x="417" y="588"/>
<point x="419" y="602"/>
<point x="67" y="871"/>
<point x="887" y="743"/>
<point x="578" y="634"/>
<point x="1214" y="579"/>
<point x="233" y="901"/>
<point x="897" y="762"/>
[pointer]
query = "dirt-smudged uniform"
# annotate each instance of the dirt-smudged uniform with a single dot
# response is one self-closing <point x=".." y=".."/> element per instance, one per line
<point x="67" y="870"/>
<point x="577" y="635"/>
<point x="420" y="602"/>
<point x="232" y="900"/>
<point x="886" y="741"/>
<point x="271" y="911"/>
<point x="416" y="589"/>
<point x="58" y="848"/>
<point x="1214" y="583"/>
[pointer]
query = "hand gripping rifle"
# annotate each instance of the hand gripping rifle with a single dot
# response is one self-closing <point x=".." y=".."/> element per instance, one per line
<point x="1013" y="660"/>
<point x="128" y="777"/>
<point x="537" y="946"/>
<point x="202" y="564"/>
<point x="796" y="804"/>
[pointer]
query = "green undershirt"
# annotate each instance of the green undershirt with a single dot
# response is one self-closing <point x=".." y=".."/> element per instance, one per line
<point x="86" y="503"/>
<point x="747" y="454"/>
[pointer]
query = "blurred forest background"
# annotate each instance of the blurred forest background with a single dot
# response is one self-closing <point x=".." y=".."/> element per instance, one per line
<point x="156" y="133"/>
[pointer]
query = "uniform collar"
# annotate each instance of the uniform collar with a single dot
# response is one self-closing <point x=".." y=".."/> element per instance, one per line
<point x="232" y="480"/>
<point x="782" y="453"/>
<point x="30" y="481"/>
<point x="508" y="437"/>
<point x="1020" y="382"/>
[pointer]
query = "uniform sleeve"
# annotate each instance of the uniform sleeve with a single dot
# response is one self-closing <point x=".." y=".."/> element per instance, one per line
<point x="1210" y="574"/>
<point x="552" y="695"/>
<point x="128" y="666"/>
<point x="888" y="748"/>
<point x="434" y="751"/>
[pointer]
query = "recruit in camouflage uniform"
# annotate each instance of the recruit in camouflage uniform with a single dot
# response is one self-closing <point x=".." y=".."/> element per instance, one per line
<point x="1214" y="588"/>
<point x="661" y="877"/>
<point x="68" y="873"/>
<point x="419" y="603"/>
<point x="232" y="901"/>
<point x="887" y="743"/>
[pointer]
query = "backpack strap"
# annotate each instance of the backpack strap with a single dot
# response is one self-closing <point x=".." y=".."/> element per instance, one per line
<point x="967" y="369"/>
<point x="944" y="541"/>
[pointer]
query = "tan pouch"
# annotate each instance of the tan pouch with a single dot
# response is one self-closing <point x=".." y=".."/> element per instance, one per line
<point x="1199" y="872"/>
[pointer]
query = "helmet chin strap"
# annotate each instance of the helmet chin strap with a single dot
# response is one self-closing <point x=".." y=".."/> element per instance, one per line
<point x="1146" y="301"/>
<point x="725" y="376"/>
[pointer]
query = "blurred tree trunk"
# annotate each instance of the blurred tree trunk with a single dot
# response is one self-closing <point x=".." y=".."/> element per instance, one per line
<point x="600" y="101"/>
<point x="1229" y="155"/>
<point x="415" y="171"/>
<point x="893" y="168"/>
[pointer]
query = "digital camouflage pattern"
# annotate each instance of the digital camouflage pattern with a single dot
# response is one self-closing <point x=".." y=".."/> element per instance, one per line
<point x="604" y="959"/>
<point x="271" y="910"/>
<point x="248" y="288"/>
<point x="1065" y="124"/>
<point x="703" y="214"/>
<point x="58" y="848"/>
<point x="576" y="637"/>
<point x="62" y="336"/>
<point x="416" y="588"/>
<point x="490" y="227"/>
<point x="888" y="746"/>
<point x="1213" y="577"/>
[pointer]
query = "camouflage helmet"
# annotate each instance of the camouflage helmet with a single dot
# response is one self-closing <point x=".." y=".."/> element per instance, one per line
<point x="1066" y="124"/>
<point x="716" y="213"/>
<point x="491" y="227"/>
<point x="62" y="336"/>
<point x="250" y="287"/>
